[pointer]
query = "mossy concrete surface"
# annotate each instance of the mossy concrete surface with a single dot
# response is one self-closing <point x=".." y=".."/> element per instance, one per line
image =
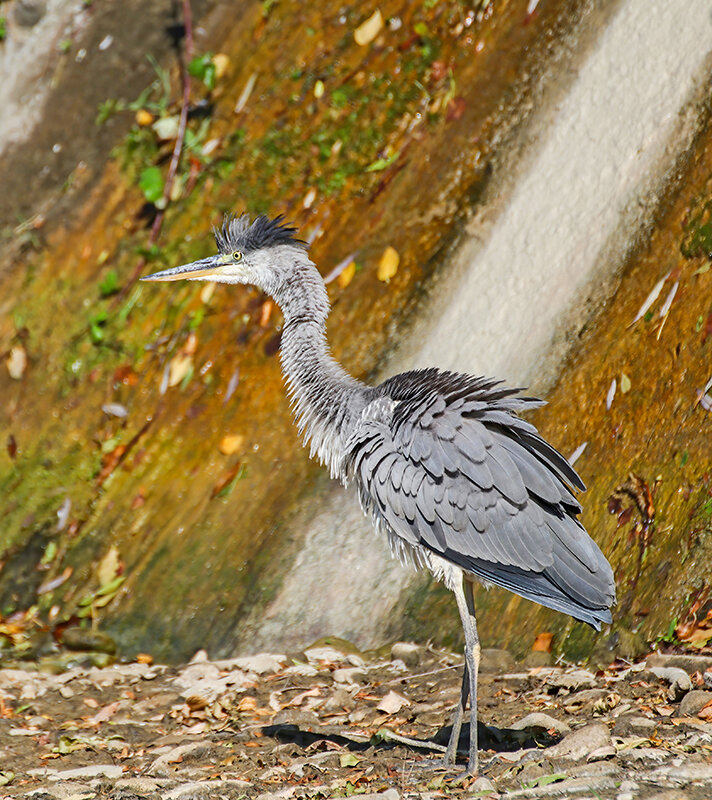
<point x="168" y="523"/>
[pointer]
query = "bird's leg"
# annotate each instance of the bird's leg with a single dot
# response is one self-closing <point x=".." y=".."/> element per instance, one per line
<point x="451" y="752"/>
<point x="465" y="597"/>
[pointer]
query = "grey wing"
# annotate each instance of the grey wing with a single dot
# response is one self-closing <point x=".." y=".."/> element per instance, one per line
<point x="456" y="472"/>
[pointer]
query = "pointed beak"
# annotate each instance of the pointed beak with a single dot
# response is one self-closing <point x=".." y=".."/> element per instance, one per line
<point x="205" y="268"/>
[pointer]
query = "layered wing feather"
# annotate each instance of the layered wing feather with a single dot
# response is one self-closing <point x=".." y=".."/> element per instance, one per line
<point x="446" y="464"/>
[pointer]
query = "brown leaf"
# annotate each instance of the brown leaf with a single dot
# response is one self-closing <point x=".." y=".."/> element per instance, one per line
<point x="455" y="108"/>
<point x="392" y="703"/>
<point x="542" y="642"/>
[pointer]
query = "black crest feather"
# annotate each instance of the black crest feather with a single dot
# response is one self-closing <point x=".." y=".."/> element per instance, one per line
<point x="237" y="233"/>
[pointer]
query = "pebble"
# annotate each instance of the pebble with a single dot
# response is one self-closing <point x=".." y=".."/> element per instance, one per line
<point x="581" y="742"/>
<point x="407" y="652"/>
<point x="69" y="790"/>
<point x="541" y="721"/>
<point x="689" y="663"/>
<point x="694" y="701"/>
<point x="88" y="639"/>
<point x="349" y="675"/>
<point x="678" y="679"/>
<point x="196" y="790"/>
<point x="260" y="664"/>
<point x="573" y="681"/>
<point x="162" y="766"/>
<point x="538" y="658"/>
<point x="493" y="661"/>
<point x="95" y="771"/>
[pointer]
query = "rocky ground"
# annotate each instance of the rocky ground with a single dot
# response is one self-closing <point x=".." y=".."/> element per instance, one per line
<point x="330" y="722"/>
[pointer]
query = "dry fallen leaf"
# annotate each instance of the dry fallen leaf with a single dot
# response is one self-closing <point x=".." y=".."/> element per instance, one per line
<point x="369" y="29"/>
<point x="221" y="62"/>
<point x="179" y="367"/>
<point x="231" y="444"/>
<point x="347" y="275"/>
<point x="109" y="566"/>
<point x="392" y="703"/>
<point x="144" y="658"/>
<point x="542" y="642"/>
<point x="388" y="265"/>
<point x="16" y="362"/>
<point x="207" y="291"/>
<point x="625" y="383"/>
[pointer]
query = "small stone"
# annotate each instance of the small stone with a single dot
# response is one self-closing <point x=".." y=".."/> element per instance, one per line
<point x="602" y="753"/>
<point x="87" y="639"/>
<point x="633" y="725"/>
<point x="110" y="771"/>
<point x="349" y="675"/>
<point x="340" y="701"/>
<point x="65" y="790"/>
<point x="538" y="658"/>
<point x="573" y="681"/>
<point x="484" y="788"/>
<point x="689" y="663"/>
<point x="694" y="701"/>
<point x="260" y="664"/>
<point x="645" y="754"/>
<point x="141" y="785"/>
<point x="494" y="661"/>
<point x="585" y="696"/>
<point x="678" y="679"/>
<point x="162" y="766"/>
<point x="407" y="652"/>
<point x="541" y="721"/>
<point x="579" y="743"/>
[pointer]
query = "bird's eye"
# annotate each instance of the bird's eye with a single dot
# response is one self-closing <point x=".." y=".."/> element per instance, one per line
<point x="237" y="256"/>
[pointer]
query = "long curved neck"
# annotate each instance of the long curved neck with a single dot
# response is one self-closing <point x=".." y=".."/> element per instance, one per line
<point x="326" y="400"/>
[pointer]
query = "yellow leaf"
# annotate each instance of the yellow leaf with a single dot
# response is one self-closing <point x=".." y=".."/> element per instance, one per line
<point x="108" y="566"/>
<point x="207" y="291"/>
<point x="625" y="383"/>
<point x="221" y="62"/>
<point x="369" y="29"/>
<point x="231" y="444"/>
<point x="347" y="275"/>
<point x="143" y="117"/>
<point x="388" y="265"/>
<point x="180" y="366"/>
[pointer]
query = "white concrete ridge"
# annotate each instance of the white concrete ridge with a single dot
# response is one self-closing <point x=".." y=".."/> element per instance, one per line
<point x="28" y="59"/>
<point x="613" y="137"/>
<point x="611" y="140"/>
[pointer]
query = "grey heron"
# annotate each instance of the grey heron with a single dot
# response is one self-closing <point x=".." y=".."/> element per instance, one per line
<point x="444" y="465"/>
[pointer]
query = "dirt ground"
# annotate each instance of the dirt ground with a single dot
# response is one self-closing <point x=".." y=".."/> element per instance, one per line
<point x="327" y="722"/>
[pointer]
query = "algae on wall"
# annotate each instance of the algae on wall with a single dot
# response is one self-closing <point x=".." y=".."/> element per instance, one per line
<point x="152" y="466"/>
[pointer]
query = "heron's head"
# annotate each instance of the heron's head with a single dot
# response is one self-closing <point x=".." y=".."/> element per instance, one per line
<point x="256" y="253"/>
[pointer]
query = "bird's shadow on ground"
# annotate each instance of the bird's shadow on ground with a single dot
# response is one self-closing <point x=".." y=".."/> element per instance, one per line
<point x="500" y="740"/>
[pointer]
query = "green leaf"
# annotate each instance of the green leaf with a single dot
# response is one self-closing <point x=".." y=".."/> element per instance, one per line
<point x="151" y="184"/>
<point x="545" y="780"/>
<point x="110" y="284"/>
<point x="349" y="760"/>
<point x="6" y="776"/>
<point x="111" y="587"/>
<point x="382" y="163"/>
<point x="203" y="68"/>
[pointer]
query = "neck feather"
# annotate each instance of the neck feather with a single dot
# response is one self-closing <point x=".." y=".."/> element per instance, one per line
<point x="326" y="401"/>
